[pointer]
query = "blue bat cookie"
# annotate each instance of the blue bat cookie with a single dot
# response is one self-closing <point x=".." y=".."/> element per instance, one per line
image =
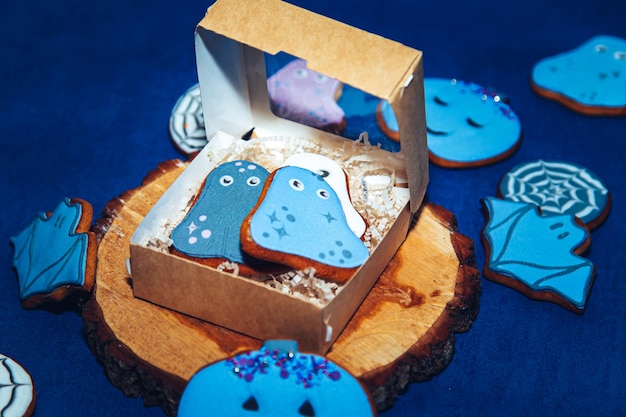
<point x="589" y="79"/>
<point x="300" y="222"/>
<point x="276" y="380"/>
<point x="56" y="254"/>
<point x="210" y="231"/>
<point x="537" y="255"/>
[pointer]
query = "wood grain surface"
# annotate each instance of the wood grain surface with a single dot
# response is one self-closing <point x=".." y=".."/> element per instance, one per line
<point x="403" y="332"/>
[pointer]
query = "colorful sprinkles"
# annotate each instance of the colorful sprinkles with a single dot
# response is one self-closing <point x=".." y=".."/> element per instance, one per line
<point x="307" y="370"/>
<point x="486" y="93"/>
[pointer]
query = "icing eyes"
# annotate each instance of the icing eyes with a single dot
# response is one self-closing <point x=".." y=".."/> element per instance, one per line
<point x="253" y="181"/>
<point x="251" y="404"/>
<point x="300" y="73"/>
<point x="436" y="132"/>
<point x="440" y="101"/>
<point x="557" y="226"/>
<point x="296" y="184"/>
<point x="323" y="194"/>
<point x="320" y="78"/>
<point x="306" y="409"/>
<point x="473" y="123"/>
<point x="619" y="55"/>
<point x="58" y="223"/>
<point x="226" y="180"/>
<point x="323" y="173"/>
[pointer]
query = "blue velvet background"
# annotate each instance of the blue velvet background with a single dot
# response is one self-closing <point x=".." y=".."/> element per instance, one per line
<point x="87" y="88"/>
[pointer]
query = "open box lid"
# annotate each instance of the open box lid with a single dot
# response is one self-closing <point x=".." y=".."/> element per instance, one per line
<point x="231" y="42"/>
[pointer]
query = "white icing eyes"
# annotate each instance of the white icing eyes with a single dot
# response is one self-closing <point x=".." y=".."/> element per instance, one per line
<point x="253" y="181"/>
<point x="296" y="184"/>
<point x="226" y="180"/>
<point x="300" y="73"/>
<point x="618" y="55"/>
<point x="304" y="73"/>
<point x="323" y="194"/>
<point x="320" y="78"/>
<point x="322" y="173"/>
<point x="440" y="101"/>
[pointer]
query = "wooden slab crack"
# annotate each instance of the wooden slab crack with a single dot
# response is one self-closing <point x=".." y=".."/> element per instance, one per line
<point x="403" y="332"/>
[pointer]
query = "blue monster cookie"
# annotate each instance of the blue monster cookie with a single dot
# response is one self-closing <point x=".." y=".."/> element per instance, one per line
<point x="210" y="231"/>
<point x="336" y="177"/>
<point x="299" y="221"/>
<point x="468" y="125"/>
<point x="276" y="380"/>
<point x="537" y="255"/>
<point x="590" y="79"/>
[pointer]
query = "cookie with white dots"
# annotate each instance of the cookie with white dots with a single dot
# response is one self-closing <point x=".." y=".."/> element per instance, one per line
<point x="209" y="233"/>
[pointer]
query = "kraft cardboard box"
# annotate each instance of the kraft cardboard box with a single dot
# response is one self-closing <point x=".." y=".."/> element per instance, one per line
<point x="232" y="42"/>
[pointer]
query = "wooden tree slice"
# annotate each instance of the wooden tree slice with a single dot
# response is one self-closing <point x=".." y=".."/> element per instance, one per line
<point x="403" y="331"/>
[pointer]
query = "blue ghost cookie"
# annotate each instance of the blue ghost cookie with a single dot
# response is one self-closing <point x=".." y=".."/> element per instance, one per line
<point x="275" y="380"/>
<point x="299" y="221"/>
<point x="209" y="233"/>
<point x="590" y="79"/>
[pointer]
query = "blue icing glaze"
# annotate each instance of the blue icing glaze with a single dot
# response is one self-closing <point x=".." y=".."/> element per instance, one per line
<point x="211" y="229"/>
<point x="49" y="253"/>
<point x="538" y="251"/>
<point x="389" y="116"/>
<point x="357" y="102"/>
<point x="558" y="188"/>
<point x="306" y="384"/>
<point x="468" y="123"/>
<point x="302" y="215"/>
<point x="592" y="74"/>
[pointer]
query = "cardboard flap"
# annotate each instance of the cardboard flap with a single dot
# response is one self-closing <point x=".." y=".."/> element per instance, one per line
<point x="233" y="37"/>
<point x="328" y="46"/>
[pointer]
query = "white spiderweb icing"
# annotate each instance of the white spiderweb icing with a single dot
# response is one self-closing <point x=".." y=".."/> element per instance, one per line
<point x="556" y="187"/>
<point x="16" y="388"/>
